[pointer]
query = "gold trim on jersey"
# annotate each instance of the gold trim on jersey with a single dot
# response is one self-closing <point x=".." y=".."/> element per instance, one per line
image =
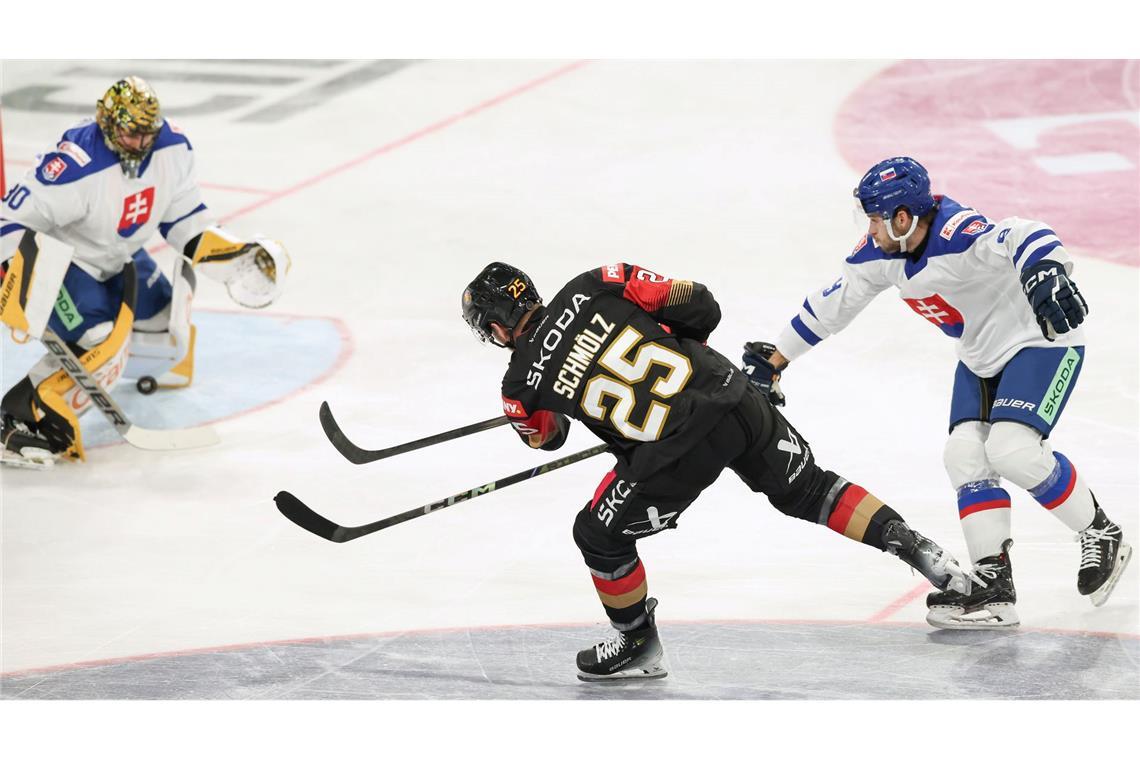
<point x="681" y="291"/>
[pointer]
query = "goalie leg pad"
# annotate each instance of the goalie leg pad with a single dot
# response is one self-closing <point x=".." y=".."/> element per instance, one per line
<point x="58" y="402"/>
<point x="162" y="345"/>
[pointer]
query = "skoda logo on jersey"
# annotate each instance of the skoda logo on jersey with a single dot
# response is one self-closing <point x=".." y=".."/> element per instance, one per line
<point x="136" y="212"/>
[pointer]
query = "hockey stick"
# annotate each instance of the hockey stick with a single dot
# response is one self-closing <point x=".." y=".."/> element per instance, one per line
<point x="294" y="509"/>
<point x="357" y="455"/>
<point x="139" y="437"/>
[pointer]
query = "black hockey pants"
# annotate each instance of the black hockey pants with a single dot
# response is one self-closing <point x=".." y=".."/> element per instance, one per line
<point x="753" y="440"/>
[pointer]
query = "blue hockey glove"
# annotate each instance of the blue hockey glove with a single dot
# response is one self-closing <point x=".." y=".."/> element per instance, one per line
<point x="1054" y="298"/>
<point x="761" y="372"/>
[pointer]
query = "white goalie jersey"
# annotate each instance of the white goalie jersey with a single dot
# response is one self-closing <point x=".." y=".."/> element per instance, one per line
<point x="78" y="194"/>
<point x="966" y="282"/>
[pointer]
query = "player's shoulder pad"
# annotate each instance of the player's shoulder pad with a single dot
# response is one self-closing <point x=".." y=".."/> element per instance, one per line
<point x="170" y="136"/>
<point x="81" y="152"/>
<point x="865" y="250"/>
<point x="955" y="228"/>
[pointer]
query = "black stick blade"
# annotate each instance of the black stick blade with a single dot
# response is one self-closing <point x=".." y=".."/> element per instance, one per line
<point x="357" y="455"/>
<point x="339" y="440"/>
<point x="295" y="509"/>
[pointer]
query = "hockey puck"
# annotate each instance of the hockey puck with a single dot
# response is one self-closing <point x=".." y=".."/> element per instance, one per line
<point x="147" y="385"/>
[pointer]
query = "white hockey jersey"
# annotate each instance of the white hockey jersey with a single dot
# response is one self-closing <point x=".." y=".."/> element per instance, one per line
<point x="78" y="194"/>
<point x="965" y="281"/>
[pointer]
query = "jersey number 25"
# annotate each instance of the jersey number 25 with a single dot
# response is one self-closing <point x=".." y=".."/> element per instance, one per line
<point x="628" y="372"/>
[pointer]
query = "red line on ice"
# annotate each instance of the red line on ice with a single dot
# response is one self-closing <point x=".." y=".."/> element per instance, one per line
<point x="409" y="138"/>
<point x="899" y="603"/>
<point x="1021" y="630"/>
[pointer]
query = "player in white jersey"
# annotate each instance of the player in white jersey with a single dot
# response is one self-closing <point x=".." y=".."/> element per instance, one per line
<point x="103" y="191"/>
<point x="1002" y="291"/>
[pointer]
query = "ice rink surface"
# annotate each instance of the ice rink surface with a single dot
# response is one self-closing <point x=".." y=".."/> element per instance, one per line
<point x="143" y="575"/>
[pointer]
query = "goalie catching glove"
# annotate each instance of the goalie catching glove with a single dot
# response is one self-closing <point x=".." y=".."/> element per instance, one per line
<point x="253" y="272"/>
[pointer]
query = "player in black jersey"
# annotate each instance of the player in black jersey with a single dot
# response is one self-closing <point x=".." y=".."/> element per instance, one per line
<point x="622" y="349"/>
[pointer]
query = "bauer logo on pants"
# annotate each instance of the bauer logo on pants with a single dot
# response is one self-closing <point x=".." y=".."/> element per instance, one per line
<point x="656" y="522"/>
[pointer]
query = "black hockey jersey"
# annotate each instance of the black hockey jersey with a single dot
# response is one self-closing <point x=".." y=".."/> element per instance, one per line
<point x="621" y="349"/>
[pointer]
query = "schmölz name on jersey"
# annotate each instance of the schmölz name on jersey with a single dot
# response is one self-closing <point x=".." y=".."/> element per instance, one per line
<point x="586" y="344"/>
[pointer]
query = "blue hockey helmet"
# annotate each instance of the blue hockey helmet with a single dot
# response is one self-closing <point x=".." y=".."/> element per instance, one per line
<point x="893" y="184"/>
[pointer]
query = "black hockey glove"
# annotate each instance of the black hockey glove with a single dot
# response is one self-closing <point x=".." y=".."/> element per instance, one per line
<point x="761" y="372"/>
<point x="1054" y="298"/>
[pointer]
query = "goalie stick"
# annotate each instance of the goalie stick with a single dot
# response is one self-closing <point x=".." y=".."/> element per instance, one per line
<point x="139" y="437"/>
<point x="296" y="510"/>
<point x="357" y="455"/>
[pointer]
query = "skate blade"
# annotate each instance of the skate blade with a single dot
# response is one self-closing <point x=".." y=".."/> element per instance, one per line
<point x="997" y="615"/>
<point x="653" y="671"/>
<point x="1100" y="596"/>
<point x="12" y="459"/>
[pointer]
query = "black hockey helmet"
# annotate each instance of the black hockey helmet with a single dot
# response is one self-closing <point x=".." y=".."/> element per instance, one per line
<point x="500" y="293"/>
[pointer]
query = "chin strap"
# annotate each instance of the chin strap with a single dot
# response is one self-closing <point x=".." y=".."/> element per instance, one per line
<point x="902" y="239"/>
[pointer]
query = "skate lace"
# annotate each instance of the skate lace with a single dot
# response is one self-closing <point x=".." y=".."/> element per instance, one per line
<point x="608" y="649"/>
<point x="1090" y="544"/>
<point x="987" y="570"/>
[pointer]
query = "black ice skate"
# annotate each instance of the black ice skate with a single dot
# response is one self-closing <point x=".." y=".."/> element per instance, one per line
<point x="989" y="605"/>
<point x="21" y="447"/>
<point x="632" y="654"/>
<point x="925" y="556"/>
<point x="1104" y="555"/>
